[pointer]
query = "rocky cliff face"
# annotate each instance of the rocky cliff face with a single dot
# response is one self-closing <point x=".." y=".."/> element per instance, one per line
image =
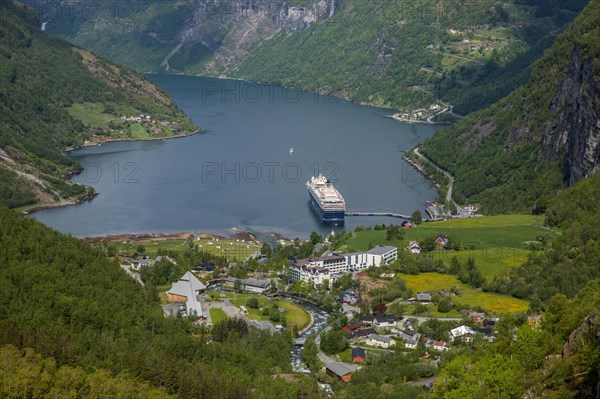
<point x="573" y="135"/>
<point x="230" y="28"/>
<point x="586" y="334"/>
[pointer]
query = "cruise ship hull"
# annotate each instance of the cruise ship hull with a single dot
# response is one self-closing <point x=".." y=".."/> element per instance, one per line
<point x="330" y="217"/>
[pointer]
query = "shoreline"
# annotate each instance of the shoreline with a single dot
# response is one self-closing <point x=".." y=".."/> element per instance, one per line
<point x="58" y="204"/>
<point x="339" y="96"/>
<point x="100" y="143"/>
<point x="71" y="201"/>
<point x="421" y="170"/>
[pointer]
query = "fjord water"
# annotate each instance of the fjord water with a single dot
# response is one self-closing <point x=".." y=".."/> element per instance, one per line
<point x="239" y="172"/>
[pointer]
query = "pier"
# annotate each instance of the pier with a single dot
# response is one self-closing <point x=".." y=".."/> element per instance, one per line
<point x="384" y="214"/>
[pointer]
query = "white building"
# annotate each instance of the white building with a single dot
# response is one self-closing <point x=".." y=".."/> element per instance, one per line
<point x="379" y="340"/>
<point x="188" y="290"/>
<point x="316" y="271"/>
<point x="411" y="344"/>
<point x="463" y="332"/>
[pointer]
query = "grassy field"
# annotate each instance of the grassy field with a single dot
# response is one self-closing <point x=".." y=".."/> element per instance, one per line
<point x="492" y="302"/>
<point x="294" y="314"/>
<point x="232" y="249"/>
<point x="217" y="315"/>
<point x="497" y="243"/>
<point x="92" y="115"/>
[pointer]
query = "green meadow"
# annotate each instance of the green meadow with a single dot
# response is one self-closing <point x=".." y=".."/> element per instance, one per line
<point x="434" y="282"/>
<point x="217" y="315"/>
<point x="294" y="314"/>
<point x="497" y="243"/>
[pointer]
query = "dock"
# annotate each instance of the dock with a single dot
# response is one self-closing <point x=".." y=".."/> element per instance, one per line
<point x="384" y="214"/>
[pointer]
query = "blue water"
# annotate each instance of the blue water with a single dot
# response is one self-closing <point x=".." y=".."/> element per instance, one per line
<point x="239" y="171"/>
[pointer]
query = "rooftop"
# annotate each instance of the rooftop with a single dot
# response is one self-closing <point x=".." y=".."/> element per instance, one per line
<point x="381" y="250"/>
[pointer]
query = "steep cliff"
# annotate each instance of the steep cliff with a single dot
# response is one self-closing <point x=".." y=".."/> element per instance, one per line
<point x="194" y="36"/>
<point x="573" y="135"/>
<point x="542" y="137"/>
<point x="391" y="53"/>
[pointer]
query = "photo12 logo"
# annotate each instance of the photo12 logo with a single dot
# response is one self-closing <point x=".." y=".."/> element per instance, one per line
<point x="267" y="171"/>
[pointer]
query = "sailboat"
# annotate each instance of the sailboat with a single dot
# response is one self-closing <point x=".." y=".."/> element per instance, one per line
<point x="291" y="150"/>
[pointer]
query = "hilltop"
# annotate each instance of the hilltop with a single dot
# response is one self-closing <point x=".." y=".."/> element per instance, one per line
<point x="57" y="96"/>
<point x="406" y="55"/>
<point x="519" y="153"/>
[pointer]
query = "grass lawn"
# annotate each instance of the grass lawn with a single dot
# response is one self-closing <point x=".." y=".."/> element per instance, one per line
<point x="346" y="355"/>
<point x="232" y="249"/>
<point x="152" y="247"/>
<point x="492" y="302"/>
<point x="294" y="314"/>
<point x="217" y="315"/>
<point x="92" y="115"/>
<point x="497" y="243"/>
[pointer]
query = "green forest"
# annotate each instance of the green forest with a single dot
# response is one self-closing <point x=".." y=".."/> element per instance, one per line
<point x="41" y="76"/>
<point x="409" y="54"/>
<point x="82" y="317"/>
<point x="495" y="154"/>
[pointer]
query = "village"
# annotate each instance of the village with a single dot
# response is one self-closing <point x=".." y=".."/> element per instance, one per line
<point x="234" y="278"/>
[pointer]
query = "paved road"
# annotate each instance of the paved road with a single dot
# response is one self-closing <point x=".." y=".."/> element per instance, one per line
<point x="425" y="383"/>
<point x="136" y="276"/>
<point x="448" y="175"/>
<point x="421" y="319"/>
<point x="368" y="348"/>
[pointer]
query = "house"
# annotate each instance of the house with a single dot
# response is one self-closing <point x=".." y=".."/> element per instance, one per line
<point x="367" y="319"/>
<point x="360" y="335"/>
<point x="357" y="325"/>
<point x="385" y="320"/>
<point x="428" y="342"/>
<point x="339" y="371"/>
<point x="441" y="346"/>
<point x="488" y="323"/>
<point x="409" y="335"/>
<point x="488" y="333"/>
<point x="250" y="284"/>
<point x="358" y="355"/>
<point x="423" y="296"/>
<point x="255" y="285"/>
<point x="139" y="263"/>
<point x="414" y="247"/>
<point x="411" y="344"/>
<point x="477" y="317"/>
<point x="380" y="341"/>
<point x="187" y="289"/>
<point x="209" y="267"/>
<point x="441" y="240"/>
<point x="463" y="332"/>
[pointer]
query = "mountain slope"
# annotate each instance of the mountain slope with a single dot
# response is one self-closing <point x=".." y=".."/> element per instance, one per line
<point x="69" y="303"/>
<point x="524" y="149"/>
<point x="398" y="54"/>
<point x="55" y="96"/>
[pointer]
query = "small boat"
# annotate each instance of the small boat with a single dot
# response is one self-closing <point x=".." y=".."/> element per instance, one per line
<point x="291" y="150"/>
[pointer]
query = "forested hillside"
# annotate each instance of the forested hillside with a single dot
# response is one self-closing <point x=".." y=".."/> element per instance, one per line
<point x="97" y="329"/>
<point x="518" y="153"/>
<point x="55" y="96"/>
<point x="557" y="358"/>
<point x="574" y="256"/>
<point x="406" y="54"/>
